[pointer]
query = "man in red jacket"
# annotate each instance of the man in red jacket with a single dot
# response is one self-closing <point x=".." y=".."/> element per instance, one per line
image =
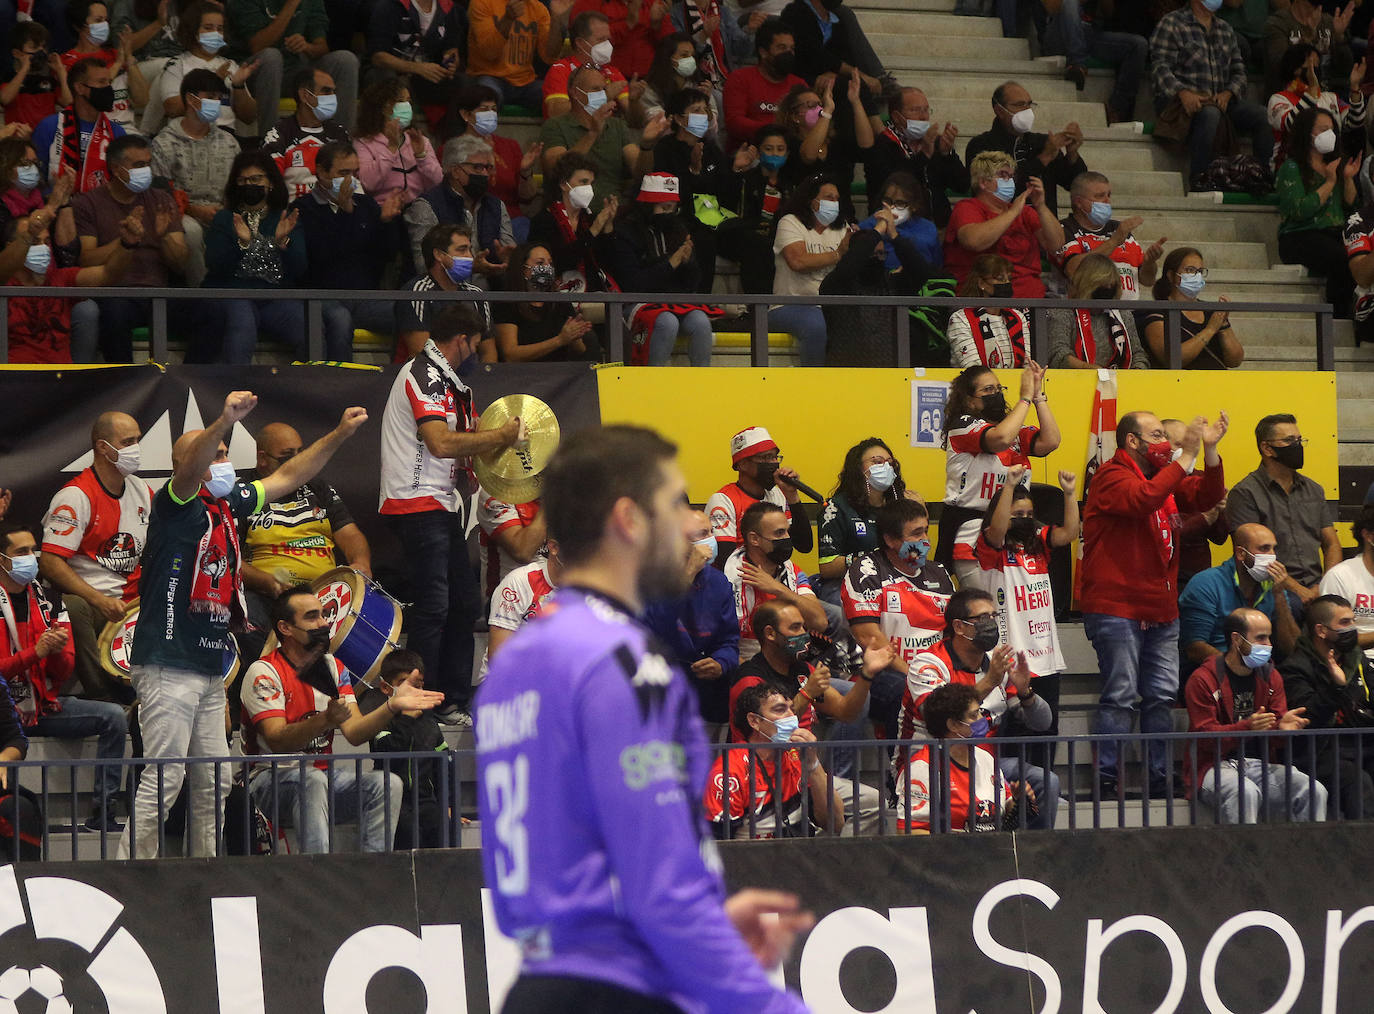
<point x="1128" y="580"/>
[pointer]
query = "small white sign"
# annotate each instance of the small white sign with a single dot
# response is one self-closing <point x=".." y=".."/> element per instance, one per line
<point x="928" y="412"/>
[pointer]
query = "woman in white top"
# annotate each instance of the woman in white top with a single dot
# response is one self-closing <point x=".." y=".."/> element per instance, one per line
<point x="995" y="337"/>
<point x="201" y="31"/>
<point x="811" y="239"/>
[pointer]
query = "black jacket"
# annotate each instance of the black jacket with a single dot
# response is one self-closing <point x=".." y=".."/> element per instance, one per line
<point x="637" y="256"/>
<point x="867" y="335"/>
<point x="937" y="175"/>
<point x="1307" y="683"/>
<point x="1026" y="149"/>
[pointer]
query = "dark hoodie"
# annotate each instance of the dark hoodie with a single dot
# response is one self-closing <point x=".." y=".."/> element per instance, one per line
<point x="1308" y="684"/>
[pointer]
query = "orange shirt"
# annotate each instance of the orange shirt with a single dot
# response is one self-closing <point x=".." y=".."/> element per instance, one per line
<point x="509" y="57"/>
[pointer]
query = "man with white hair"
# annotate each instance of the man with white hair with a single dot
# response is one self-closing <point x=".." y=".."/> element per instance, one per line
<point x="463" y="198"/>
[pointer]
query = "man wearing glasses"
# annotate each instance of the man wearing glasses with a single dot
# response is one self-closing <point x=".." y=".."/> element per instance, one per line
<point x="463" y="198"/>
<point x="1288" y="503"/>
<point x="1051" y="158"/>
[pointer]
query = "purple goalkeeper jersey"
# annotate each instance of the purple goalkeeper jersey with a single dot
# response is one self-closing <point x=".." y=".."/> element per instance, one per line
<point x="591" y="765"/>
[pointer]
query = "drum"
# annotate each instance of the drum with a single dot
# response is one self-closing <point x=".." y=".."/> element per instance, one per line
<point x="117" y="642"/>
<point x="364" y="621"/>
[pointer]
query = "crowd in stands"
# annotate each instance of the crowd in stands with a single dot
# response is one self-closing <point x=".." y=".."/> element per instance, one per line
<point x="317" y="145"/>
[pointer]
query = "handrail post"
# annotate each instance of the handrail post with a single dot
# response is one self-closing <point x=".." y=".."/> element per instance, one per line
<point x="1326" y="341"/>
<point x="1040" y="334"/>
<point x="158" y="329"/>
<point x="904" y="337"/>
<point x="5" y="330"/>
<point x="758" y="339"/>
<point x="1173" y="338"/>
<point x="314" y="330"/>
<point x="615" y="332"/>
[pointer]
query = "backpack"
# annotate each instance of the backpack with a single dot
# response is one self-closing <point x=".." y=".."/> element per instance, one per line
<point x="1237" y="174"/>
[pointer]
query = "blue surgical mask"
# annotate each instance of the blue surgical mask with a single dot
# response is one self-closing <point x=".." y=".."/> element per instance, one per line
<point x="1212" y="5"/>
<point x="827" y="212"/>
<point x="698" y="124"/>
<point x="916" y="129"/>
<point x="772" y="162"/>
<point x="27" y="176"/>
<point x="979" y="729"/>
<point x="209" y="110"/>
<point x="915" y="551"/>
<point x="595" y="100"/>
<point x="140" y="179"/>
<point x="222" y="479"/>
<point x="402" y="113"/>
<point x="1006" y="190"/>
<point x="336" y="185"/>
<point x="99" y="32"/>
<point x="460" y="270"/>
<point x="23" y="569"/>
<point x="484" y="122"/>
<point x="1258" y="655"/>
<point x="211" y="42"/>
<point x="38" y="259"/>
<point x="881" y="476"/>
<point x="710" y="544"/>
<point x="1191" y="285"/>
<point x="325" y="106"/>
<point x="1100" y="214"/>
<point x="783" y="729"/>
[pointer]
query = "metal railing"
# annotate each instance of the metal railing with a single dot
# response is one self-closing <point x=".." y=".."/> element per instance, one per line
<point x="616" y="325"/>
<point x="254" y="818"/>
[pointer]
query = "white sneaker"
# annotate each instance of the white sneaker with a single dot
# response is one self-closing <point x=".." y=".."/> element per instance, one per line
<point x="453" y="716"/>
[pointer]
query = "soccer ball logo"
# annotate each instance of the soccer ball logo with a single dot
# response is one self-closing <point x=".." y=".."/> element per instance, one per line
<point x="18" y="982"/>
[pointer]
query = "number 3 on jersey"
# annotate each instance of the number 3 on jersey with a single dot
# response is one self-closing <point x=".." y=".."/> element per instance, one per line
<point x="508" y="786"/>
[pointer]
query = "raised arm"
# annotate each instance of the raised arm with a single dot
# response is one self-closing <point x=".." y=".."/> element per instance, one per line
<point x="301" y="468"/>
<point x="190" y="470"/>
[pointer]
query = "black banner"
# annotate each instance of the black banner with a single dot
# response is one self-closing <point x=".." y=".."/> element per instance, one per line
<point x="46" y="417"/>
<point x="1243" y="920"/>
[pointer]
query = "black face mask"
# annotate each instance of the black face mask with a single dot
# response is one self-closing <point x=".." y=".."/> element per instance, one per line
<point x="251" y="193"/>
<point x="476" y="187"/>
<point x="781" y="551"/>
<point x="764" y="473"/>
<point x="832" y="5"/>
<point x="985" y="633"/>
<point x="995" y="407"/>
<point x="1345" y="641"/>
<point x="1002" y="290"/>
<point x="102" y="98"/>
<point x="1023" y="530"/>
<point x="784" y="63"/>
<point x="318" y="638"/>
<point x="1290" y="455"/>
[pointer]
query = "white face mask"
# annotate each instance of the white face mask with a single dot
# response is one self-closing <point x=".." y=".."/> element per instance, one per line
<point x="1022" y="122"/>
<point x="1178" y="453"/>
<point x="580" y="197"/>
<point x="127" y="459"/>
<point x="602" y="52"/>
<point x="1259" y="564"/>
<point x="222" y="479"/>
<point x="1325" y="142"/>
<point x="900" y="215"/>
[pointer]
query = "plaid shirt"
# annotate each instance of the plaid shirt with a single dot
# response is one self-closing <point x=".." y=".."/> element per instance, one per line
<point x="1183" y="54"/>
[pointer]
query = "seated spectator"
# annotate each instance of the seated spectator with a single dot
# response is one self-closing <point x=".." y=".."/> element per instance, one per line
<point x="822" y="144"/>
<point x="462" y="196"/>
<point x="1359" y="244"/>
<point x="1316" y="189"/>
<point x="747" y="239"/>
<point x="869" y="478"/>
<point x="20" y="179"/>
<point x="589" y="38"/>
<point x="295" y="141"/>
<point x="568" y="230"/>
<point x="591" y="128"/>
<point x="98" y="217"/>
<point x="810" y="240"/>
<point x="422" y="813"/>
<point x="1209" y="341"/>
<point x="910" y="146"/>
<point x="1087" y="338"/>
<point x="35" y="81"/>
<point x="1292" y="506"/>
<point x="1327" y="677"/>
<point x="997" y="220"/>
<point x="722" y="36"/>
<point x="75" y="139"/>
<point x="978" y="795"/>
<point x="521" y="596"/>
<point x="675" y="70"/>
<point x="22" y="830"/>
<point x="1353" y="579"/>
<point x="1197" y="72"/>
<point x="650" y="249"/>
<point x="1304" y="21"/>
<point x="130" y="89"/>
<point x="287" y="42"/>
<point x="286" y="711"/>
<point x="447" y="253"/>
<point x="906" y="199"/>
<point x="509" y="535"/>
<point x="762" y="477"/>
<point x="344" y="242"/>
<point x="1252" y="578"/>
<point x="197" y="158"/>
<point x="1198" y="531"/>
<point x="1302" y="89"/>
<point x="983" y="438"/>
<point x="1077" y="29"/>
<point x="1052" y="159"/>
<point x="1242" y="691"/>
<point x="534" y="330"/>
<point x="37" y="663"/>
<point x="201" y="31"/>
<point x="636" y="27"/>
<point x="155" y="41"/>
<point x="504" y="36"/>
<point x="701" y="628"/>
<point x="512" y="176"/>
<point x="1090" y="228"/>
<point x="866" y="335"/>
<point x="995" y="337"/>
<point x="762" y="570"/>
<point x="754" y="95"/>
<point x="394" y="156"/>
<point x="425" y="46"/>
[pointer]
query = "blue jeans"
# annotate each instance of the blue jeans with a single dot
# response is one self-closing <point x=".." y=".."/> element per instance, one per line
<point x="311" y="807"/>
<point x="81" y="718"/>
<point x="1136" y="660"/>
<point x="530" y="96"/>
<point x="447" y="601"/>
<point x="1264" y="793"/>
<point x="1249" y="118"/>
<point x="694" y="324"/>
<point x="842" y="762"/>
<point x="342" y="316"/>
<point x="807" y="325"/>
<point x="282" y="321"/>
<point x="1069" y="34"/>
<point x="1042" y="781"/>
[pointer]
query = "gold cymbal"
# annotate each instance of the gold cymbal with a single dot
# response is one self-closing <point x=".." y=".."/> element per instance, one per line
<point x="513" y="474"/>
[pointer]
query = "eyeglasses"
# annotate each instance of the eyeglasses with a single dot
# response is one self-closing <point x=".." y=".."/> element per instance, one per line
<point x="1289" y="442"/>
<point x="1006" y="174"/>
<point x="1202" y="272"/>
<point x="249" y="181"/>
<point x="480" y="168"/>
<point x="1016" y="107"/>
<point x="983" y="392"/>
<point x="775" y="459"/>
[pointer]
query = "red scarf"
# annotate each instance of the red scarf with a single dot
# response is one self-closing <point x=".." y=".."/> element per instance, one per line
<point x="1085" y="347"/>
<point x="91" y="170"/>
<point x="573" y="232"/>
<point x="33" y="695"/>
<point x="712" y="63"/>
<point x="215" y="586"/>
<point x="981" y="329"/>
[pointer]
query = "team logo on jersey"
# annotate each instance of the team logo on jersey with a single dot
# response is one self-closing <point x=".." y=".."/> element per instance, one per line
<point x="510" y="594"/>
<point x="720" y="520"/>
<point x="266" y="688"/>
<point x="919" y="792"/>
<point x="119" y="554"/>
<point x="894" y="602"/>
<point x="63" y="521"/>
<point x="860" y="528"/>
<point x="649" y="677"/>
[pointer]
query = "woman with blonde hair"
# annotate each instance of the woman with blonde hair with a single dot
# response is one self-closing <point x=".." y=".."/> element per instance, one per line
<point x="997" y="336"/>
<point x="1087" y="338"/>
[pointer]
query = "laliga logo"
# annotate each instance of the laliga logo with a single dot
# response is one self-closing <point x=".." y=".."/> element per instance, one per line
<point x="80" y="915"/>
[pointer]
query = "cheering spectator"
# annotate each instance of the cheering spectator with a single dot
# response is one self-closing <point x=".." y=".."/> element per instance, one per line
<point x="1128" y="579"/>
<point x="983" y="438"/>
<point x="1353" y="579"/>
<point x="1090" y="228"/>
<point x="590" y="39"/>
<point x="1086" y="338"/>
<point x="447" y="253"/>
<point x="762" y="570"/>
<point x="810" y="240"/>
<point x="1304" y="21"/>
<point x="569" y="230"/>
<point x="1198" y="531"/>
<point x="723" y="38"/>
<point x="20" y="193"/>
<point x="197" y="158"/>
<point x="650" y="249"/>
<point x="762" y="476"/>
<point x="1251" y="578"/>
<point x="1075" y="27"/>
<point x="35" y="81"/>
<point x="201" y="30"/>
<point x="504" y="37"/>
<point x="747" y="239"/>
<point x="869" y="478"/>
<point x="75" y="139"/>
<point x="636" y="28"/>
<point x="675" y="70"/>
<point x="994" y="337"/>
<point x="1209" y="341"/>
<point x="422" y="41"/>
<point x="512" y="175"/>
<point x="1241" y="691"/>
<point x="288" y="42"/>
<point x="510" y="535"/>
<point x="910" y="146"/>
<point x="535" y="330"/>
<point x="296" y="140"/>
<point x="1052" y="159"/>
<point x="1303" y="89"/>
<point x="1317" y="190"/>
<point x="464" y="198"/>
<point x="997" y="220"/>
<point x="905" y="198"/>
<point x="129" y="87"/>
<point x="1197" y="71"/>
<point x="1294" y="507"/>
<point x="753" y="95"/>
<point x="521" y="595"/>
<point x="826" y="145"/>
<point x="394" y="156"/>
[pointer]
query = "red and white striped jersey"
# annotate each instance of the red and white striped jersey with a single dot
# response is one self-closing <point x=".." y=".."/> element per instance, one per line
<point x="931" y="670"/>
<point x="520" y="596"/>
<point x="974" y="477"/>
<point x="748" y="597"/>
<point x="1128" y="257"/>
<point x="728" y="504"/>
<point x="965" y="785"/>
<point x="99" y="535"/>
<point x="910" y="608"/>
<point x="414" y="480"/>
<point x="494" y="516"/>
<point x="730" y="791"/>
